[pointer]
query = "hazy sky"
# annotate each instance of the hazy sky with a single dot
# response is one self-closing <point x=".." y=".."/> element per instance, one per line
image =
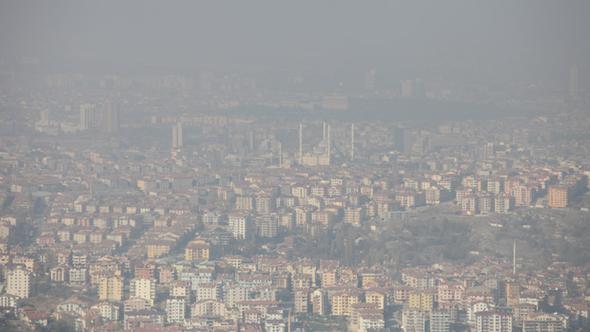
<point x="534" y="35"/>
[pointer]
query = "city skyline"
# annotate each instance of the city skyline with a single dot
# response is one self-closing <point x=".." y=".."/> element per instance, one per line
<point x="264" y="166"/>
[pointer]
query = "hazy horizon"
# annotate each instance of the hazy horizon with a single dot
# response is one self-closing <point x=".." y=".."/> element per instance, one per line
<point x="524" y="39"/>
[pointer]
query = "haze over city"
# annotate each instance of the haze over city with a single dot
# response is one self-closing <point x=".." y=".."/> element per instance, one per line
<point x="281" y="166"/>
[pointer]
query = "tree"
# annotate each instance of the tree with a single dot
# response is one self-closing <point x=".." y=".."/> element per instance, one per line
<point x="61" y="325"/>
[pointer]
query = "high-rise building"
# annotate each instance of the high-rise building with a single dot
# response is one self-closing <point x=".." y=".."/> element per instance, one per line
<point x="110" y="288"/>
<point x="197" y="250"/>
<point x="421" y="300"/>
<point x="19" y="282"/>
<point x="407" y="88"/>
<point x="301" y="300"/>
<point x="488" y="151"/>
<point x="265" y="204"/>
<point x="354" y="215"/>
<point x="175" y="310"/>
<point x="557" y="197"/>
<point x="485" y="204"/>
<point x="110" y="118"/>
<point x="177" y="139"/>
<point x="376" y="297"/>
<point x="235" y="293"/>
<point x="495" y="186"/>
<point x="475" y="307"/>
<point x="108" y="311"/>
<point x="366" y="317"/>
<point x="371" y="321"/>
<point x="240" y="225"/>
<point x="342" y="302"/>
<point x="512" y="293"/>
<point x="319" y="302"/>
<point x="522" y="194"/>
<point x="208" y="291"/>
<point x="59" y="274"/>
<point x="244" y="202"/>
<point x="440" y="321"/>
<point x="267" y="225"/>
<point x="78" y="275"/>
<point x="413" y="89"/>
<point x="414" y="320"/>
<point x="502" y="203"/>
<point x="180" y="289"/>
<point x="88" y="117"/>
<point x="144" y="289"/>
<point x="544" y="322"/>
<point x="493" y="321"/>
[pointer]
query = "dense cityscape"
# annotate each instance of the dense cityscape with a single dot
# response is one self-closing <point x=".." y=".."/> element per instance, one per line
<point x="220" y="220"/>
<point x="250" y="199"/>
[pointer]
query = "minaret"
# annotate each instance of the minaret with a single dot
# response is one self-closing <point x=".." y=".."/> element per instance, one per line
<point x="300" y="143"/>
<point x="180" y="138"/>
<point x="352" y="142"/>
<point x="514" y="258"/>
<point x="252" y="141"/>
<point x="280" y="154"/>
<point x="329" y="147"/>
